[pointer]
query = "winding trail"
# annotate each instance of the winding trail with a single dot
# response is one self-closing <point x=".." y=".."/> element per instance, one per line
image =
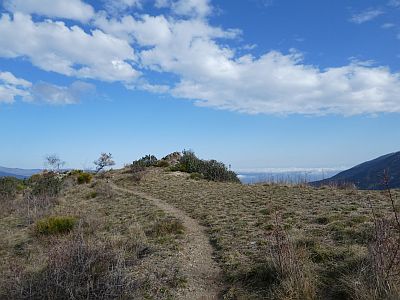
<point x="204" y="277"/>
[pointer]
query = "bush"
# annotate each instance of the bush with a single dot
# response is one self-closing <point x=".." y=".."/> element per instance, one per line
<point x="76" y="269"/>
<point x="8" y="187"/>
<point x="55" y="225"/>
<point x="209" y="169"/>
<point x="84" y="178"/>
<point x="45" y="185"/>
<point x="162" y="164"/>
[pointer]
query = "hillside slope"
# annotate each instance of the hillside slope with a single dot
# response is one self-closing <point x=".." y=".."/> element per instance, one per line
<point x="18" y="173"/>
<point x="369" y="175"/>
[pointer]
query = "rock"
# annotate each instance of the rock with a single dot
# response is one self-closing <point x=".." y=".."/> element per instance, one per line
<point x="173" y="158"/>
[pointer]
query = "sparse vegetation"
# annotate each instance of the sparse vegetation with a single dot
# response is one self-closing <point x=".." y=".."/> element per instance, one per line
<point x="75" y="269"/>
<point x="272" y="241"/>
<point x="326" y="234"/>
<point x="54" y="162"/>
<point x="105" y="160"/>
<point x="209" y="169"/>
<point x="54" y="225"/>
<point x="84" y="178"/>
<point x="8" y="187"/>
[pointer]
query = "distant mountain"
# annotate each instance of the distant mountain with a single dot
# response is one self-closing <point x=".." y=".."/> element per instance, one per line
<point x="18" y="173"/>
<point x="369" y="175"/>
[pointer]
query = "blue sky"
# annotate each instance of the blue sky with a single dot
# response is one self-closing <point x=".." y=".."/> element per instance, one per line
<point x="253" y="83"/>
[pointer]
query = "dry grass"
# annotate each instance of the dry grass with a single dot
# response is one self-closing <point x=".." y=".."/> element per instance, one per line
<point x="272" y="241"/>
<point x="123" y="257"/>
<point x="329" y="228"/>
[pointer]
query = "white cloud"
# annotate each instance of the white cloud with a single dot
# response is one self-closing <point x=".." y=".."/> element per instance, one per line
<point x="53" y="46"/>
<point x="196" y="55"/>
<point x="210" y="72"/>
<point x="12" y="87"/>
<point x="280" y="84"/>
<point x="194" y="8"/>
<point x="60" y="95"/>
<point x="146" y="30"/>
<point x="71" y="9"/>
<point x="188" y="8"/>
<point x="366" y="16"/>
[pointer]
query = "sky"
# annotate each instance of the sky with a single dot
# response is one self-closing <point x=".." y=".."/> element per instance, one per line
<point x="256" y="84"/>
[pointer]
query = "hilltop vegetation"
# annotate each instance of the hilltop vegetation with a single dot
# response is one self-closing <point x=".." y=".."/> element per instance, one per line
<point x="126" y="234"/>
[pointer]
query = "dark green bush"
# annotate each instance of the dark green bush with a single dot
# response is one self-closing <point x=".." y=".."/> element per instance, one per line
<point x="45" y="185"/>
<point x="209" y="169"/>
<point x="75" y="172"/>
<point x="84" y="178"/>
<point x="55" y="225"/>
<point x="9" y="187"/>
<point x="142" y="163"/>
<point x="147" y="161"/>
<point x="162" y="164"/>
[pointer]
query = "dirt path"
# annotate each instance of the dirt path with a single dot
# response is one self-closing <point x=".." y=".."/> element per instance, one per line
<point x="202" y="272"/>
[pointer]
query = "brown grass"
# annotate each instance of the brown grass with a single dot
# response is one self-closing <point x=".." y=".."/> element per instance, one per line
<point x="329" y="229"/>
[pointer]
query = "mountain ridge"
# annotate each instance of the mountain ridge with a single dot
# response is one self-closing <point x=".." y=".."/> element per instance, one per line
<point x="369" y="175"/>
<point x="18" y="172"/>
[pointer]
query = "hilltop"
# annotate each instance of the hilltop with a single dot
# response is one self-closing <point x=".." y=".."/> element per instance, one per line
<point x="169" y="234"/>
<point x="370" y="174"/>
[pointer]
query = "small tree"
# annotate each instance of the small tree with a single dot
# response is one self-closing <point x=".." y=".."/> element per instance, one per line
<point x="105" y="160"/>
<point x="54" y="161"/>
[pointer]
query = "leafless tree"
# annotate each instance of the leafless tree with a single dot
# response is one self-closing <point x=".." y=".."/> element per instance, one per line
<point x="105" y="160"/>
<point x="54" y="161"/>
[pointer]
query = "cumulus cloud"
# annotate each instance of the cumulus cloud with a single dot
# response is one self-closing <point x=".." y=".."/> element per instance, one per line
<point x="188" y="8"/>
<point x="280" y="84"/>
<point x="71" y="9"/>
<point x="198" y="61"/>
<point x="53" y="46"/>
<point x="44" y="92"/>
<point x="12" y="87"/>
<point x="366" y="16"/>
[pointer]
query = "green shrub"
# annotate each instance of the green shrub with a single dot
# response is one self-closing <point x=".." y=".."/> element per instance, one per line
<point x="146" y="161"/>
<point x="75" y="172"/>
<point x="162" y="164"/>
<point x="9" y="187"/>
<point x="45" y="185"/>
<point x="209" y="169"/>
<point x="84" y="178"/>
<point x="55" y="225"/>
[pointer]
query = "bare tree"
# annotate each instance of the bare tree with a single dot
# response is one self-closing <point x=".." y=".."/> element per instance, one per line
<point x="54" y="161"/>
<point x="105" y="160"/>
